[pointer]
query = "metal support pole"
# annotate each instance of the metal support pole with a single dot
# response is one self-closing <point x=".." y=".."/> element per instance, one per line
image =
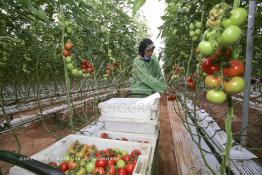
<point x="248" y="69"/>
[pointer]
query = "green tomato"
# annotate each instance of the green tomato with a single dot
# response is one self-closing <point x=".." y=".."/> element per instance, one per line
<point x="68" y="59"/>
<point x="121" y="164"/>
<point x="231" y="35"/>
<point x="226" y="23"/>
<point x="216" y="96"/>
<point x="238" y="16"/>
<point x="234" y="86"/>
<point x="80" y="73"/>
<point x="199" y="25"/>
<point x="116" y="150"/>
<point x="70" y="66"/>
<point x="90" y="167"/>
<point x="81" y="171"/>
<point x="206" y="48"/>
<point x="192" y="33"/>
<point x="197" y="31"/>
<point x="192" y="26"/>
<point x="74" y="72"/>
<point x="194" y="38"/>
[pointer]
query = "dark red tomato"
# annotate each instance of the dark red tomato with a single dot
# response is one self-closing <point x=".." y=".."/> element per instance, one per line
<point x="104" y="136"/>
<point x="127" y="158"/>
<point x="228" y="52"/>
<point x="135" y="153"/>
<point x="99" y="154"/>
<point x="208" y="66"/>
<point x="121" y="171"/>
<point x="66" y="53"/>
<point x="111" y="162"/>
<point x="192" y="86"/>
<point x="189" y="79"/>
<point x="101" y="163"/>
<point x="99" y="171"/>
<point x="64" y="166"/>
<point x="112" y="170"/>
<point x="130" y="168"/>
<point x="236" y="68"/>
<point x="218" y="53"/>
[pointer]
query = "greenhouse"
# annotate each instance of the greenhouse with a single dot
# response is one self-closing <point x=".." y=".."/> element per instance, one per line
<point x="130" y="87"/>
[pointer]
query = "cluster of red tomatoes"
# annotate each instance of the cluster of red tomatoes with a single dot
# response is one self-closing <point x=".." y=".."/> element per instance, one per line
<point x="223" y="68"/>
<point x="87" y="67"/>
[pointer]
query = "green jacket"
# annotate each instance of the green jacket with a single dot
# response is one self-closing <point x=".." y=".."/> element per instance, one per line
<point x="147" y="77"/>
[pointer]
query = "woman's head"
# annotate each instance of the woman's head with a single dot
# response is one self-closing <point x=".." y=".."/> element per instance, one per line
<point x="146" y="48"/>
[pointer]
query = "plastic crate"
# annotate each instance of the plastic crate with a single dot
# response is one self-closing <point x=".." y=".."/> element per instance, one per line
<point x="135" y="108"/>
<point x="56" y="152"/>
<point x="131" y="125"/>
<point x="151" y="139"/>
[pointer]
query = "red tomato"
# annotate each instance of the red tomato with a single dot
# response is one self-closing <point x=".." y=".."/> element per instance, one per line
<point x="99" y="171"/>
<point x="208" y="66"/>
<point x="192" y="86"/>
<point x="68" y="45"/>
<point x="111" y="161"/>
<point x="109" y="152"/>
<point x="72" y="165"/>
<point x="130" y="168"/>
<point x="64" y="166"/>
<point x="101" y="163"/>
<point x="189" y="79"/>
<point x="135" y="161"/>
<point x="104" y="135"/>
<point x="99" y="154"/>
<point x="121" y="171"/>
<point x="127" y="158"/>
<point x="112" y="170"/>
<point x="236" y="68"/>
<point x="218" y="53"/>
<point x="66" y="53"/>
<point x="135" y="153"/>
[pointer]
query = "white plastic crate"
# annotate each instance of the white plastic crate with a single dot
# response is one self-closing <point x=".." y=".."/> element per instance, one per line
<point x="56" y="152"/>
<point x="135" y="108"/>
<point x="151" y="139"/>
<point x="131" y="125"/>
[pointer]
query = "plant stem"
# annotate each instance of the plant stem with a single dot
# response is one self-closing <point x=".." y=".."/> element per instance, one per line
<point x="228" y="122"/>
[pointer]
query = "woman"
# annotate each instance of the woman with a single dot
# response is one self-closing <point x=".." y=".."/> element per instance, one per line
<point x="147" y="76"/>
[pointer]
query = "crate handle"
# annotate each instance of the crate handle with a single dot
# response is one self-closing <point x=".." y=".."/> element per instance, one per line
<point x="28" y="163"/>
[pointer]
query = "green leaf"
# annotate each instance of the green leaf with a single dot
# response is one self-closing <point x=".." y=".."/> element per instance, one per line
<point x="137" y="5"/>
<point x="37" y="12"/>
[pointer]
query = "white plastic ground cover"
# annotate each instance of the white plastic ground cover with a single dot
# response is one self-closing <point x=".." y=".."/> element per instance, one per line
<point x="219" y="136"/>
<point x="131" y="125"/>
<point x="151" y="139"/>
<point x="91" y="128"/>
<point x="56" y="152"/>
<point x="136" y="108"/>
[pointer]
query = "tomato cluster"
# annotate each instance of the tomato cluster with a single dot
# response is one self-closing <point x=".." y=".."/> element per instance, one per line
<point x="220" y="64"/>
<point x="195" y="30"/>
<point x="82" y="159"/>
<point x="87" y="67"/>
<point x="106" y="136"/>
